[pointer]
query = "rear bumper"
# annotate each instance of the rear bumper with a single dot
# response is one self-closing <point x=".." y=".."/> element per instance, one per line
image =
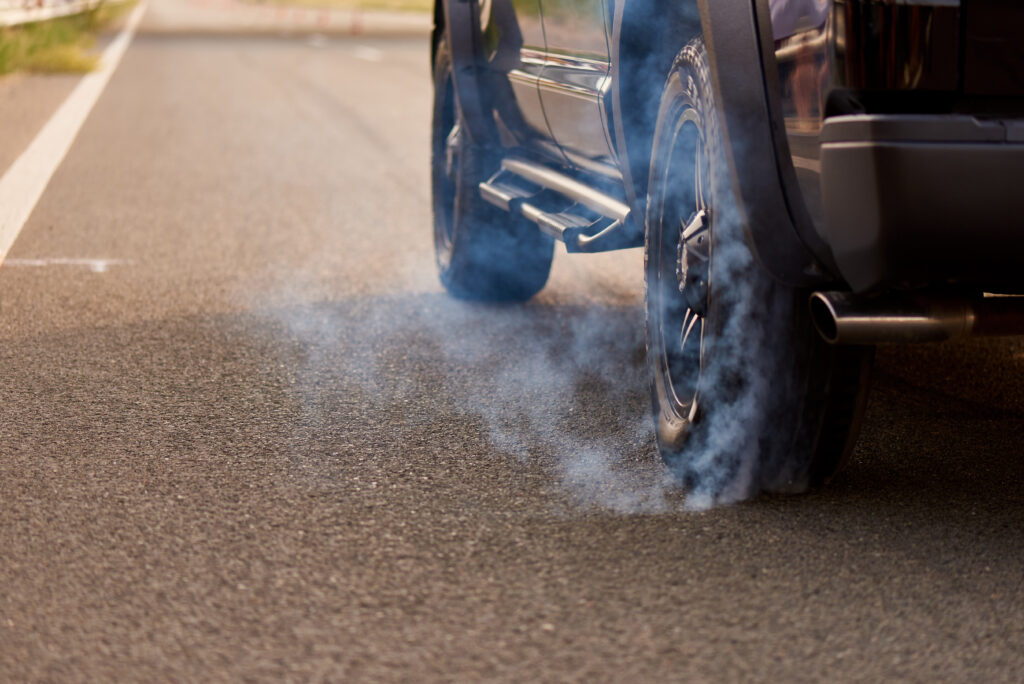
<point x="924" y="199"/>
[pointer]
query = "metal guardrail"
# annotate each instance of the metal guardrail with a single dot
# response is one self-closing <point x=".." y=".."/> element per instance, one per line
<point x="13" y="12"/>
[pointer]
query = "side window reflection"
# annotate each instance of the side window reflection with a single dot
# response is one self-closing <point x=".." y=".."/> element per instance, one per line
<point x="799" y="29"/>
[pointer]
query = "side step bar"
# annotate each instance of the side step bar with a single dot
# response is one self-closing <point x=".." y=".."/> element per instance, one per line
<point x="585" y="219"/>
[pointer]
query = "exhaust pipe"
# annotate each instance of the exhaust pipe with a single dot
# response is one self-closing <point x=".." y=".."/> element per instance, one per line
<point x="844" y="318"/>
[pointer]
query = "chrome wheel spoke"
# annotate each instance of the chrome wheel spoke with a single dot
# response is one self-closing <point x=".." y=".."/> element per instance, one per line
<point x="690" y="324"/>
<point x="451" y="151"/>
<point x="694" y="237"/>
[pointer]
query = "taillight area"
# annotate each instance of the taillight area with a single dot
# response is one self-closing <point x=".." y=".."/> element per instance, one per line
<point x="839" y="57"/>
<point x="994" y="48"/>
<point x="888" y="46"/>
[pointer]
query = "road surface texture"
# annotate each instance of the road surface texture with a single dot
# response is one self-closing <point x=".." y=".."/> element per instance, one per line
<point x="245" y="436"/>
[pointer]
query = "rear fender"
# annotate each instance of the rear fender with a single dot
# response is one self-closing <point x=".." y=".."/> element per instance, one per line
<point x="737" y="34"/>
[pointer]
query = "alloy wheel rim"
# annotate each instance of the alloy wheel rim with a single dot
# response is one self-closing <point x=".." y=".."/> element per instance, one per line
<point x="684" y="264"/>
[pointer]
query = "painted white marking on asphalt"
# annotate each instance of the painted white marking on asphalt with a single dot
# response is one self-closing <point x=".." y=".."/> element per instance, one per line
<point x="24" y="182"/>
<point x="368" y="54"/>
<point x="94" y="265"/>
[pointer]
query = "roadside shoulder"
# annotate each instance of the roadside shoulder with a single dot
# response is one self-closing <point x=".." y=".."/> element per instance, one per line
<point x="238" y="17"/>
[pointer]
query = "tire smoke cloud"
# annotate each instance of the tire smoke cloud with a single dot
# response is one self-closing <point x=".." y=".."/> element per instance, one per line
<point x="561" y="386"/>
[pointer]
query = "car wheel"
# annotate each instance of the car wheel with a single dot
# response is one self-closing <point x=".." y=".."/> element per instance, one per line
<point x="482" y="252"/>
<point x="746" y="396"/>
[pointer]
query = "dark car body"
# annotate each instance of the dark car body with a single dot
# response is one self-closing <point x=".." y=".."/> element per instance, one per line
<point x="807" y="178"/>
<point x="872" y="143"/>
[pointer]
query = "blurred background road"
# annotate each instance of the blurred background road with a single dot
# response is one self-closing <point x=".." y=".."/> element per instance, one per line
<point x="289" y="18"/>
<point x="245" y="435"/>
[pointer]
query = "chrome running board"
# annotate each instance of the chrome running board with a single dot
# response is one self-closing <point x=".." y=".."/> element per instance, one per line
<point x="585" y="219"/>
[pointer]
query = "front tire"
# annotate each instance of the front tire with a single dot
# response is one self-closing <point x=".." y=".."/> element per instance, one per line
<point x="746" y="396"/>
<point x="482" y="252"/>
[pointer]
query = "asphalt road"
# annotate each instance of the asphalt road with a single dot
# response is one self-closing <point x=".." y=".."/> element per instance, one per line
<point x="257" y="441"/>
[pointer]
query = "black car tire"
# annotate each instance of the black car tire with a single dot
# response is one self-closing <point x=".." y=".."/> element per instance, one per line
<point x="746" y="396"/>
<point x="482" y="252"/>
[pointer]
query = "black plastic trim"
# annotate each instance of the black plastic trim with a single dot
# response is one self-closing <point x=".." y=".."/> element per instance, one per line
<point x="924" y="199"/>
<point x="786" y="245"/>
<point x="947" y="128"/>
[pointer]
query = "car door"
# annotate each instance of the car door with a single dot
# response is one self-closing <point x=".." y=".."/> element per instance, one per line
<point x="574" y="84"/>
<point x="514" y="43"/>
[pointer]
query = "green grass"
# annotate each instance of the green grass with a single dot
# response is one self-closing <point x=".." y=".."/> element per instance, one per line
<point x="59" y="45"/>
<point x="387" y="5"/>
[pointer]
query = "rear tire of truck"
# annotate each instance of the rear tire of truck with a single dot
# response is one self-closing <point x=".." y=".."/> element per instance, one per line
<point x="746" y="396"/>
<point x="482" y="252"/>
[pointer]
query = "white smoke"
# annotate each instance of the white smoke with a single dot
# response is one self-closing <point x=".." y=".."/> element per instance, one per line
<point x="564" y="384"/>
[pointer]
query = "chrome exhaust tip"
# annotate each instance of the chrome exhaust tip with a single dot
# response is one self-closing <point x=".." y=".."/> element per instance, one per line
<point x="844" y="318"/>
<point x="823" y="315"/>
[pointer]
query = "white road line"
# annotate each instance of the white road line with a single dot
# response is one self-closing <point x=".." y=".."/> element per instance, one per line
<point x="368" y="54"/>
<point x="94" y="265"/>
<point x="23" y="183"/>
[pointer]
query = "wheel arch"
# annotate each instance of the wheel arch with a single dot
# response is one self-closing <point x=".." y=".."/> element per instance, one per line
<point x="640" y="60"/>
<point x="437" y="33"/>
<point x="739" y="41"/>
<point x="459" y="19"/>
